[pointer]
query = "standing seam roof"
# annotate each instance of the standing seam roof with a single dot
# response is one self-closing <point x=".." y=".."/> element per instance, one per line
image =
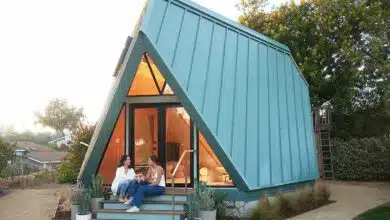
<point x="244" y="86"/>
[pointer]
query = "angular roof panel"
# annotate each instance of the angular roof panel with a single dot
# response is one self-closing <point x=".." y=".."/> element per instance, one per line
<point x="248" y="95"/>
<point x="242" y="89"/>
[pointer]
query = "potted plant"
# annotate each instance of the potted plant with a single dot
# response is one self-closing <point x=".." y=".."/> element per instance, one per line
<point x="205" y="197"/>
<point x="191" y="208"/>
<point x="75" y="199"/>
<point x="97" y="194"/>
<point x="84" y="213"/>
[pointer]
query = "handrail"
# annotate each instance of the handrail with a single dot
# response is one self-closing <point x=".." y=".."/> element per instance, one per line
<point x="173" y="179"/>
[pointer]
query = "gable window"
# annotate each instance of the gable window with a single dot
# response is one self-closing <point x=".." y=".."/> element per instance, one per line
<point x="148" y="80"/>
<point x="211" y="170"/>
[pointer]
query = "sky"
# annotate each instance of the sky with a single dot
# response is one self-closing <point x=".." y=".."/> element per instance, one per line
<point x="66" y="49"/>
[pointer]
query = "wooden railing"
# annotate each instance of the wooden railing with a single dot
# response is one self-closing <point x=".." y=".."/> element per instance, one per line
<point x="173" y="179"/>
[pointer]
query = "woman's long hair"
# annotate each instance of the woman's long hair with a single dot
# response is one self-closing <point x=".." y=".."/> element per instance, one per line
<point x="154" y="158"/>
<point x="123" y="159"/>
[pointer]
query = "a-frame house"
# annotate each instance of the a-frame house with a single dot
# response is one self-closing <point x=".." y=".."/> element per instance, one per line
<point x="190" y="79"/>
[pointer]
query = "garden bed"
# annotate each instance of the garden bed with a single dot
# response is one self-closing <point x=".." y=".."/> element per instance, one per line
<point x="291" y="204"/>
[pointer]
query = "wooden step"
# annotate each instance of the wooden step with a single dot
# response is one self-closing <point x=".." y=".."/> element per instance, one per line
<point x="179" y="191"/>
<point x="147" y="205"/>
<point x="148" y="202"/>
<point x="143" y="214"/>
<point x="168" y="212"/>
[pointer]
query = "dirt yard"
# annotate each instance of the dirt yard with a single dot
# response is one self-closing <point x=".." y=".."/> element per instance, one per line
<point x="31" y="204"/>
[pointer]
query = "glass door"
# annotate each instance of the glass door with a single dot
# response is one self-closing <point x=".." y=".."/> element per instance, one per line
<point x="164" y="131"/>
<point x="145" y="137"/>
<point x="178" y="139"/>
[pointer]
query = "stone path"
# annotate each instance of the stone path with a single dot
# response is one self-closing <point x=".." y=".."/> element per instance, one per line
<point x="29" y="204"/>
<point x="351" y="200"/>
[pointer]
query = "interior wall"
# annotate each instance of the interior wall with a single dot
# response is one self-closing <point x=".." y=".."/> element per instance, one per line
<point x="115" y="149"/>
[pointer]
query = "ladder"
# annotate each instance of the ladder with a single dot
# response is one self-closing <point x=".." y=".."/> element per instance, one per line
<point x="326" y="154"/>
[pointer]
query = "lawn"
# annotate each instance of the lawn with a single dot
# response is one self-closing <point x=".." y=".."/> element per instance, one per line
<point x="381" y="212"/>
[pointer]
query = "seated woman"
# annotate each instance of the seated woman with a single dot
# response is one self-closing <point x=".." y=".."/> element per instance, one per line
<point x="151" y="185"/>
<point x="123" y="178"/>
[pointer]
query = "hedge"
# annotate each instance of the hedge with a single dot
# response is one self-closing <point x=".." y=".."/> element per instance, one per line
<point x="362" y="159"/>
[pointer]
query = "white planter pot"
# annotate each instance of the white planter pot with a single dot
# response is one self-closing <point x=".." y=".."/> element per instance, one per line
<point x="84" y="217"/>
<point x="74" y="211"/>
<point x="208" y="215"/>
<point x="95" y="203"/>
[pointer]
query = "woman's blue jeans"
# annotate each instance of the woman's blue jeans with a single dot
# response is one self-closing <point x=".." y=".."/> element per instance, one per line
<point x="123" y="186"/>
<point x="140" y="190"/>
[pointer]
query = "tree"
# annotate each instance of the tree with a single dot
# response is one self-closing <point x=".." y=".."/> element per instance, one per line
<point x="69" y="169"/>
<point x="60" y="116"/>
<point x="6" y="153"/>
<point x="341" y="47"/>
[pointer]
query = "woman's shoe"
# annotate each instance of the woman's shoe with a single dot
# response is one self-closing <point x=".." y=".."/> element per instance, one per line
<point x="122" y="199"/>
<point x="133" y="209"/>
<point x="129" y="201"/>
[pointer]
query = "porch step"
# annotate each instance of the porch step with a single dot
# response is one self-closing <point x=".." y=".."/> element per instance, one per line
<point x="147" y="205"/>
<point x="142" y="215"/>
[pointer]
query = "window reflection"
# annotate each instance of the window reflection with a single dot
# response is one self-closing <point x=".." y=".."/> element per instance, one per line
<point x="211" y="170"/>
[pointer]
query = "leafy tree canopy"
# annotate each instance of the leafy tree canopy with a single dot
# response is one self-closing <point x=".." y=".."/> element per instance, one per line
<point x="59" y="116"/>
<point x="342" y="47"/>
<point x="6" y="153"/>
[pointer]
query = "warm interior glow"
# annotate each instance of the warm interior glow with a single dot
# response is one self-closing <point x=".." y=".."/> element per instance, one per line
<point x="145" y="84"/>
<point x="115" y="149"/>
<point x="210" y="168"/>
<point x="178" y="140"/>
<point x="159" y="77"/>
<point x="145" y="136"/>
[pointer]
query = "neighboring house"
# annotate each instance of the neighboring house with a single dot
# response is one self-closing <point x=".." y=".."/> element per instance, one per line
<point x="205" y="83"/>
<point x="39" y="157"/>
<point x="65" y="140"/>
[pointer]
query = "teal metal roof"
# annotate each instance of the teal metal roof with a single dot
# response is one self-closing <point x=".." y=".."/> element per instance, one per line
<point x="248" y="95"/>
<point x="242" y="89"/>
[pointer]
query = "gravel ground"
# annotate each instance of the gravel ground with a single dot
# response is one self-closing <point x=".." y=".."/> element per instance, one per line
<point x="30" y="204"/>
<point x="351" y="199"/>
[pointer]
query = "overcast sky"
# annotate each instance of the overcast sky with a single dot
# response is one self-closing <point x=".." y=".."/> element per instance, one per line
<point x="66" y="49"/>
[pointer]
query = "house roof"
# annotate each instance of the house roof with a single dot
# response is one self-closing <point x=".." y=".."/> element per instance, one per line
<point x="25" y="145"/>
<point x="47" y="156"/>
<point x="57" y="139"/>
<point x="39" y="152"/>
<point x="243" y="90"/>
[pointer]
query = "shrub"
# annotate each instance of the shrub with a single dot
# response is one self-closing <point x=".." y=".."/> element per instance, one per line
<point x="283" y="205"/>
<point x="264" y="211"/>
<point x="305" y="199"/>
<point x="362" y="159"/>
<point x="66" y="172"/>
<point x="69" y="168"/>
<point x="286" y="205"/>
<point x="321" y="193"/>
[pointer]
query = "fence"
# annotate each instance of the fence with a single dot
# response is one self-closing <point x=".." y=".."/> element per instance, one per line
<point x="20" y="174"/>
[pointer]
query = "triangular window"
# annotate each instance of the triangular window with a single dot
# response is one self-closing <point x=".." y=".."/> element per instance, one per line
<point x="148" y="80"/>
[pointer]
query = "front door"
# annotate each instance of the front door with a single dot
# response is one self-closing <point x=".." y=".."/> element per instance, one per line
<point x="165" y="131"/>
